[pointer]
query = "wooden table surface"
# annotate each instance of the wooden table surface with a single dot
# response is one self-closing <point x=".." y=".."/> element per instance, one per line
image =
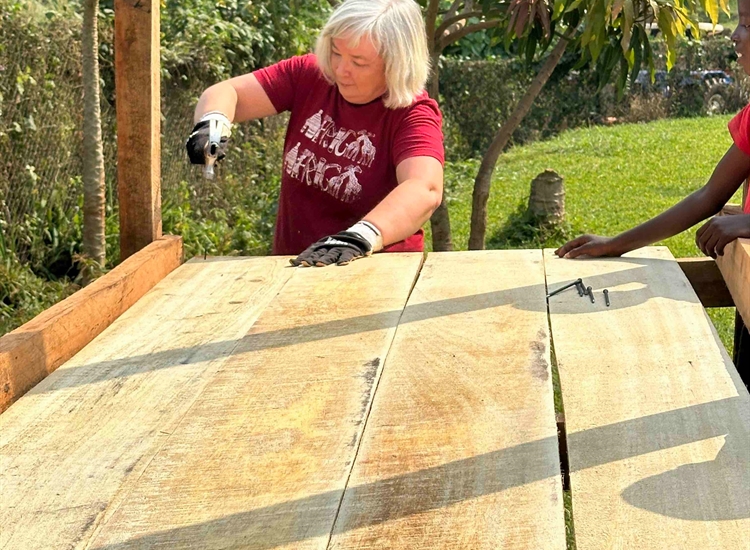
<point x="398" y="402"/>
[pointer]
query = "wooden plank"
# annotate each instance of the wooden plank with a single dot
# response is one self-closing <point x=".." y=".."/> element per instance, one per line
<point x="137" y="85"/>
<point x="735" y="267"/>
<point x="71" y="447"/>
<point x="741" y="352"/>
<point x="658" y="422"/>
<point x="707" y="281"/>
<point x="460" y="449"/>
<point x="263" y="457"/>
<point x="32" y="351"/>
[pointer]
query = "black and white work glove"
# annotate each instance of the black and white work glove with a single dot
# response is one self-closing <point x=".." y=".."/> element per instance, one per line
<point x="201" y="134"/>
<point x="360" y="240"/>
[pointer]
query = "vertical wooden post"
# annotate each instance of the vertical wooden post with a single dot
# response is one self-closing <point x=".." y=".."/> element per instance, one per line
<point x="138" y="123"/>
<point x="741" y="335"/>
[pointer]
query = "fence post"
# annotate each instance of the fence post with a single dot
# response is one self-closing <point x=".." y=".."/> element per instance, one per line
<point x="137" y="89"/>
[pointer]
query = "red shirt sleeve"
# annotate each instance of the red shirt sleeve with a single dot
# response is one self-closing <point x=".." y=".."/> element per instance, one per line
<point x="282" y="80"/>
<point x="739" y="128"/>
<point x="420" y="133"/>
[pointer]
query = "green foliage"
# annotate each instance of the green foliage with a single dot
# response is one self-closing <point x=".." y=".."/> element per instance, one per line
<point x="613" y="36"/>
<point x="23" y="295"/>
<point x="210" y="41"/>
<point x="524" y="230"/>
<point x="477" y="96"/>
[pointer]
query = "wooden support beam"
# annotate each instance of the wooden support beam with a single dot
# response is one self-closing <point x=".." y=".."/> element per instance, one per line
<point x="32" y="351"/>
<point x="707" y="281"/>
<point x="735" y="266"/>
<point x="138" y="123"/>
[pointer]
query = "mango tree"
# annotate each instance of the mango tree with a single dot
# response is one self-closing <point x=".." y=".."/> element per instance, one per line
<point x="612" y="35"/>
<point x="447" y="23"/>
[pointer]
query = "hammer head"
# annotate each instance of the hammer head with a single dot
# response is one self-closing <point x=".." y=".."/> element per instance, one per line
<point x="211" y="151"/>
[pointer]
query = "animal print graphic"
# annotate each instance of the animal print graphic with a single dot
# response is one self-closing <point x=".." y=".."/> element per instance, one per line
<point x="336" y="177"/>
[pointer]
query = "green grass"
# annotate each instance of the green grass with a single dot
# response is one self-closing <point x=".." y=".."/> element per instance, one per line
<point x="615" y="177"/>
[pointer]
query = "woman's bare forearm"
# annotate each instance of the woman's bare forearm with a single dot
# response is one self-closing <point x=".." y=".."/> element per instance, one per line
<point x="405" y="209"/>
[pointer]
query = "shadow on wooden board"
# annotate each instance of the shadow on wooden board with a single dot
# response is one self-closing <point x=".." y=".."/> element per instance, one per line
<point x="717" y="490"/>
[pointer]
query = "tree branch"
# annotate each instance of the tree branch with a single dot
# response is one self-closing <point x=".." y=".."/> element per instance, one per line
<point x="454" y="37"/>
<point x="453" y="10"/>
<point x="430" y="21"/>
<point x="450" y="21"/>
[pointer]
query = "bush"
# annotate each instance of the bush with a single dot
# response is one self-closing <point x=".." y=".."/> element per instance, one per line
<point x="477" y="96"/>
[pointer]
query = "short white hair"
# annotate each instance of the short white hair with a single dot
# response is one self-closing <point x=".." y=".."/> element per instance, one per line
<point x="396" y="29"/>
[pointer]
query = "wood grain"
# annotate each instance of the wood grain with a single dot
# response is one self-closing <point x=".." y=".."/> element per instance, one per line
<point x="460" y="450"/>
<point x="262" y="459"/>
<point x="137" y="86"/>
<point x="658" y="422"/>
<point x="32" y="351"/>
<point x="73" y="445"/>
<point x="735" y="267"/>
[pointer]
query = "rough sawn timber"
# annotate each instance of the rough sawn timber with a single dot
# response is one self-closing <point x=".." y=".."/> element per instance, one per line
<point x="37" y="348"/>
<point x="658" y="421"/>
<point x="71" y="448"/>
<point x="460" y="449"/>
<point x="262" y="459"/>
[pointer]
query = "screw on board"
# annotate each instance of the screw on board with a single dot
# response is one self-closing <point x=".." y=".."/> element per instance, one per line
<point x="581" y="289"/>
<point x="606" y="297"/>
<point x="591" y="294"/>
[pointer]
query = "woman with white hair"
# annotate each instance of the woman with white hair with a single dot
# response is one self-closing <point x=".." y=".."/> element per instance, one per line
<point x="363" y="154"/>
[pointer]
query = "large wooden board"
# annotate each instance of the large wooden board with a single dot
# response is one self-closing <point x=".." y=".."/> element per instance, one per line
<point x="460" y="450"/>
<point x="72" y="446"/>
<point x="263" y="457"/>
<point x="658" y="421"/>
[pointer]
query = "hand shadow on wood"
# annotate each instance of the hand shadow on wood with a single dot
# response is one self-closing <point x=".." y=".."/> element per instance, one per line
<point x="716" y="490"/>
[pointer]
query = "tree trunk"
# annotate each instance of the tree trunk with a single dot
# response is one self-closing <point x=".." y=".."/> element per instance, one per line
<point x="93" y="158"/>
<point x="484" y="176"/>
<point x="440" y="221"/>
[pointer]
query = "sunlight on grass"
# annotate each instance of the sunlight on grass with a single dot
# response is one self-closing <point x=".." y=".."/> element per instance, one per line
<point x="615" y="177"/>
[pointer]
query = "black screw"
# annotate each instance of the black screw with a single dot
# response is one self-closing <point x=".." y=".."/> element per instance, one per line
<point x="606" y="297"/>
<point x="591" y="294"/>
<point x="581" y="289"/>
<point x="574" y="283"/>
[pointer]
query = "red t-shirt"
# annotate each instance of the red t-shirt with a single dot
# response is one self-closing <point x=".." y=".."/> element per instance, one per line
<point x="340" y="158"/>
<point x="739" y="128"/>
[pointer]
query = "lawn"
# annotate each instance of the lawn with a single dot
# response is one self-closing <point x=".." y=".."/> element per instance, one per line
<point x="615" y="177"/>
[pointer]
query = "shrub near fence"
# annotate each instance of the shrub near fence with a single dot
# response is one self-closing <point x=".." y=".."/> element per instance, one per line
<point x="478" y="95"/>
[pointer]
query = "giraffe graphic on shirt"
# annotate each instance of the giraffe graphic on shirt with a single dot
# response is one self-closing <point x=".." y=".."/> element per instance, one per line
<point x="352" y="183"/>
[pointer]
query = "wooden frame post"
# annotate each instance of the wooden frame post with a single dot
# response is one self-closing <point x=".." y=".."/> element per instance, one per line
<point x="741" y="353"/>
<point x="138" y="123"/>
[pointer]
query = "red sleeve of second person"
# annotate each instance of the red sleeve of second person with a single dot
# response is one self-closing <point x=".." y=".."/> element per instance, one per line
<point x="739" y="128"/>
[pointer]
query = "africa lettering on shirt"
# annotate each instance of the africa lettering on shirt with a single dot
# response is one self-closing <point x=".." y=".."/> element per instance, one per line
<point x="332" y="175"/>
